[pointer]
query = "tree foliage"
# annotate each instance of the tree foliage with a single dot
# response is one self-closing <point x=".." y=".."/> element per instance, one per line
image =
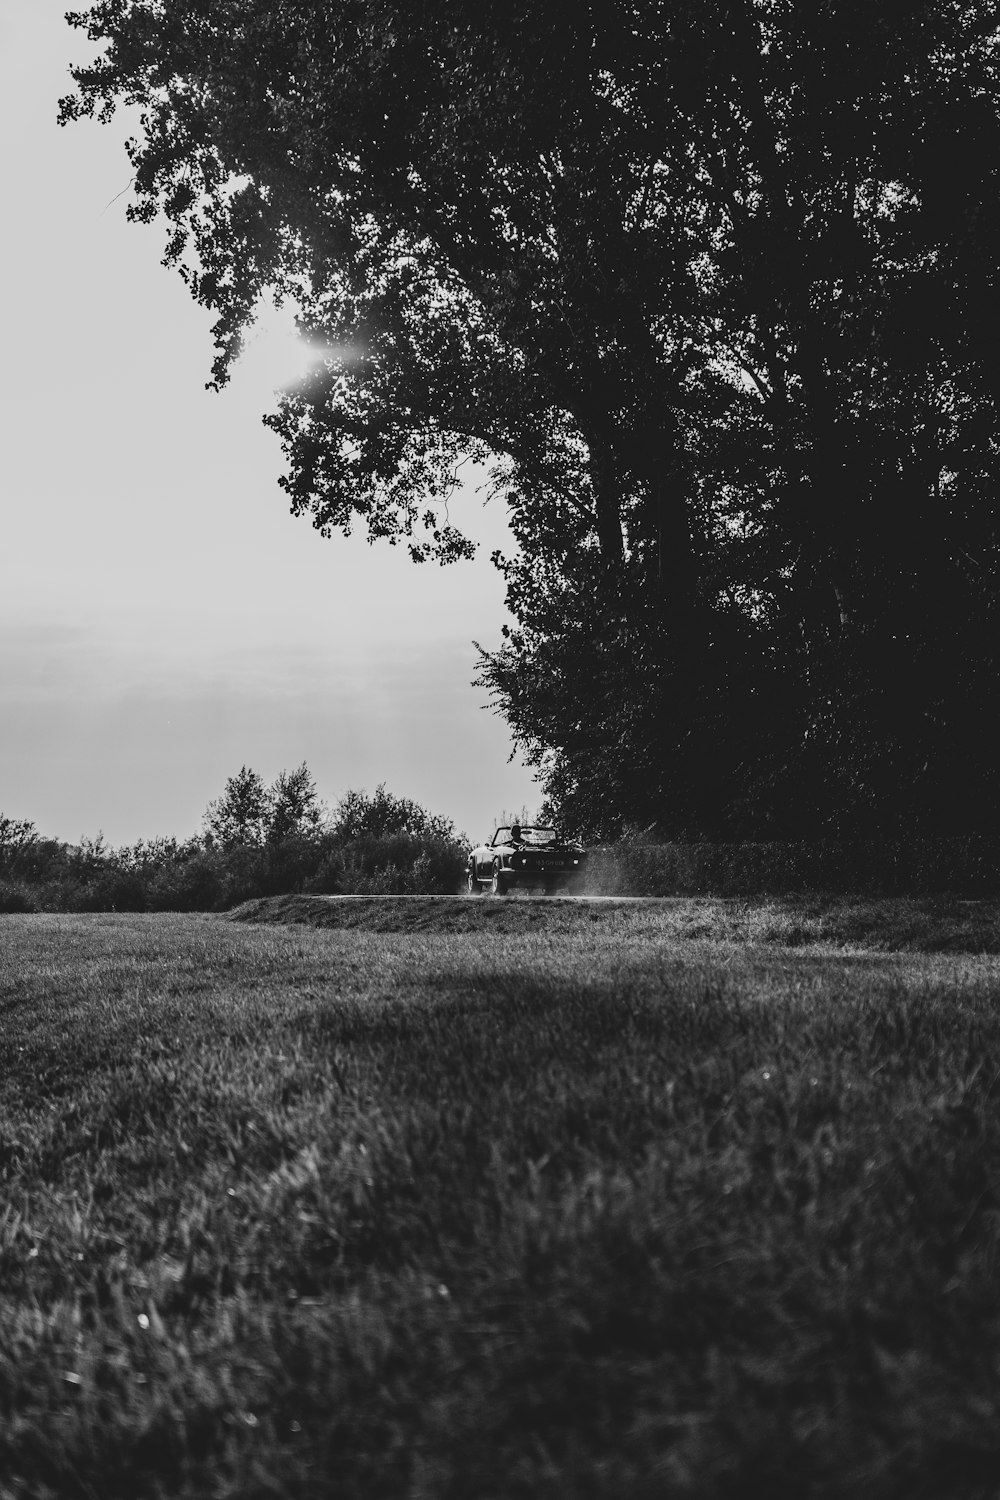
<point x="257" y="840"/>
<point x="381" y="814"/>
<point x="711" y="284"/>
<point x="252" y="815"/>
<point x="17" y="837"/>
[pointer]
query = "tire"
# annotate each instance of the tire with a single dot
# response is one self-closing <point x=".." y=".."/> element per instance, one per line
<point x="472" y="885"/>
<point x="498" y="885"/>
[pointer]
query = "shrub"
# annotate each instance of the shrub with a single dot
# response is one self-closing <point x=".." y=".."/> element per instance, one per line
<point x="189" y="880"/>
<point x="330" y="876"/>
<point x="15" y="898"/>
<point x="398" y="864"/>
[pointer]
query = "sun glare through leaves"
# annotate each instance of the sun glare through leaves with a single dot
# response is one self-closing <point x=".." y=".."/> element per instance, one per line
<point x="279" y="355"/>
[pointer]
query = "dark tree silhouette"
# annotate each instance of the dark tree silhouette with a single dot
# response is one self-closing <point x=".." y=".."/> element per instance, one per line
<point x="712" y="287"/>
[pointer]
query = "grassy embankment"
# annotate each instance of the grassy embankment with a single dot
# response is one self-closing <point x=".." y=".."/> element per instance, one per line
<point x="495" y="1199"/>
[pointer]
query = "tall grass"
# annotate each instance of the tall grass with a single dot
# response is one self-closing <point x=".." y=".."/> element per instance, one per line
<point x="595" y="1205"/>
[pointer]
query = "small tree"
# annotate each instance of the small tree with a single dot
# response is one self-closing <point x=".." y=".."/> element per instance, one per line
<point x="238" y="819"/>
<point x="16" y="836"/>
<point x="294" y="809"/>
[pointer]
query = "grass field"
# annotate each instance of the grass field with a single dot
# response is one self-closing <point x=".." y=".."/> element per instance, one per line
<point x="499" y="1199"/>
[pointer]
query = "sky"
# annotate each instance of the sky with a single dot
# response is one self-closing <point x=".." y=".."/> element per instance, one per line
<point x="164" y="620"/>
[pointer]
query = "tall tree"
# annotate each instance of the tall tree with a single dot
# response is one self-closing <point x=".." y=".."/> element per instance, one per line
<point x="710" y="283"/>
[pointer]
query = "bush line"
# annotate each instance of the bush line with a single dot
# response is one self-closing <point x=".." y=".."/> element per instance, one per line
<point x="917" y="867"/>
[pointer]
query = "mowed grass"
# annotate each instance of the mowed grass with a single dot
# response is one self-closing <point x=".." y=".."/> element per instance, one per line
<point x="511" y="1199"/>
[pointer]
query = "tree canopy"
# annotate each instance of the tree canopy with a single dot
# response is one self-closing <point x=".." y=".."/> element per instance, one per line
<point x="252" y="815"/>
<point x="712" y="287"/>
<point x="381" y="814"/>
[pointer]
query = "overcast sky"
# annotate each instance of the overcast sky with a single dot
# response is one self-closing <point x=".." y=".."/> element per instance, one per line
<point x="163" y="619"/>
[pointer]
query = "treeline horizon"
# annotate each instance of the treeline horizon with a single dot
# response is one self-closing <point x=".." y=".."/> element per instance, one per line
<point x="259" y="841"/>
<point x="256" y="839"/>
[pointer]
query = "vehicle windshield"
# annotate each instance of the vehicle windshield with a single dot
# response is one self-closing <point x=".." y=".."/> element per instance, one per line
<point x="524" y="833"/>
<point x="538" y="836"/>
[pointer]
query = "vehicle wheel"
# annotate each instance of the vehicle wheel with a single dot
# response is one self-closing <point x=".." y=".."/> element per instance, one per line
<point x="471" y="883"/>
<point x="498" y="885"/>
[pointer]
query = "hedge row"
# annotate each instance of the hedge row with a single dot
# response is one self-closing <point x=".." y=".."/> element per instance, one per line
<point x="914" y="867"/>
<point x="196" y="877"/>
